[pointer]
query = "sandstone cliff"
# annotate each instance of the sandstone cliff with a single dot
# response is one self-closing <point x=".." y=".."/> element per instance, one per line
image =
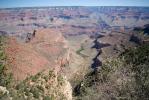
<point x="47" y="50"/>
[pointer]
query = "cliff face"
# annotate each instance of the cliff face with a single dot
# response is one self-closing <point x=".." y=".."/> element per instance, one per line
<point x="47" y="50"/>
<point x="36" y="66"/>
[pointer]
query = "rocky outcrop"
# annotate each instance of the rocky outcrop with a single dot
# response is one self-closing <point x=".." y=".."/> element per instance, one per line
<point x="3" y="91"/>
<point x="47" y="50"/>
<point x="42" y="86"/>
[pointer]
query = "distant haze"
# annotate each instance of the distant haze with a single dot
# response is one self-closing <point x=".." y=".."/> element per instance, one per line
<point x="39" y="3"/>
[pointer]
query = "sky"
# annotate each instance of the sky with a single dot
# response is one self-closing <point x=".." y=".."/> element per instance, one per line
<point x="36" y="3"/>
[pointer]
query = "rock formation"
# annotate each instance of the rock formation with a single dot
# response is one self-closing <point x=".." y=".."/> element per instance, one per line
<point x="45" y="51"/>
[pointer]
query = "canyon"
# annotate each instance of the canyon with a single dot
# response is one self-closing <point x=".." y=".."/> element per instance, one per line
<point x="71" y="41"/>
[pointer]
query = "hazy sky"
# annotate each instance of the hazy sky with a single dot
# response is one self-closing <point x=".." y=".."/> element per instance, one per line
<point x="32" y="3"/>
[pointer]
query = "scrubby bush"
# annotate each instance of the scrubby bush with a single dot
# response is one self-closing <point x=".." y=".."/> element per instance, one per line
<point x="124" y="78"/>
<point x="47" y="98"/>
<point x="35" y="92"/>
<point x="5" y="77"/>
<point x="139" y="59"/>
<point x="60" y="80"/>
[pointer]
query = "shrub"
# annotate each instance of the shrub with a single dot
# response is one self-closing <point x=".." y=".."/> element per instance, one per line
<point x="126" y="78"/>
<point x="60" y="80"/>
<point x="47" y="98"/>
<point x="35" y="92"/>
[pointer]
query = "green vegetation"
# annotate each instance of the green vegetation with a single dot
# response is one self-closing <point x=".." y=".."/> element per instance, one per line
<point x="79" y="51"/>
<point x="40" y="86"/>
<point x="60" y="80"/>
<point x="5" y="77"/>
<point x="124" y="78"/>
<point x="47" y="98"/>
<point x="139" y="59"/>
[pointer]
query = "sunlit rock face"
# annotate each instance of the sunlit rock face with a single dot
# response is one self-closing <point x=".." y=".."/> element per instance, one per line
<point x="47" y="50"/>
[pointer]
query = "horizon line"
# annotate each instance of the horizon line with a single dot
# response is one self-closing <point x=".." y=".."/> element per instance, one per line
<point x="70" y="6"/>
